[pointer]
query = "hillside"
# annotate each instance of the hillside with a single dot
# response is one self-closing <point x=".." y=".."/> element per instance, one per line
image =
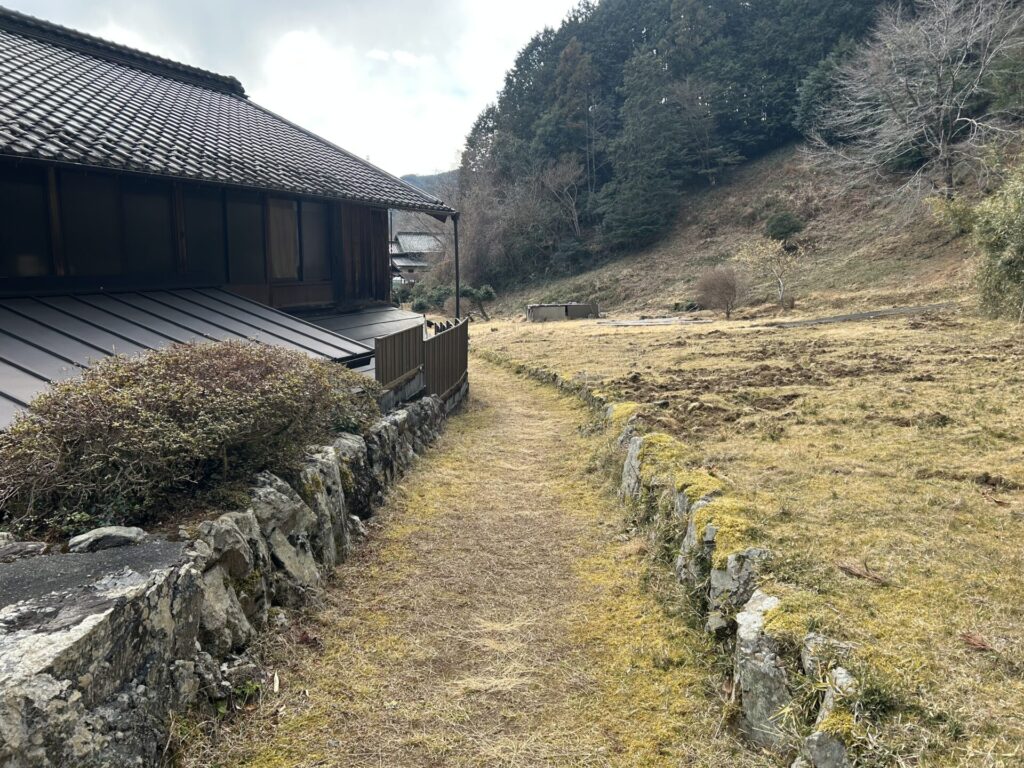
<point x="437" y="184"/>
<point x="863" y="249"/>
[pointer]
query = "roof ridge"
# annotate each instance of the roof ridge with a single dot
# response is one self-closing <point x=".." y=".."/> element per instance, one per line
<point x="21" y="23"/>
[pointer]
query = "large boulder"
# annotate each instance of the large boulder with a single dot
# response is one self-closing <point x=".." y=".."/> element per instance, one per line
<point x="19" y="550"/>
<point x="229" y="549"/>
<point x="632" y="481"/>
<point x="234" y="582"/>
<point x="354" y="466"/>
<point x="224" y="627"/>
<point x="823" y="750"/>
<point x="89" y="673"/>
<point x="693" y="564"/>
<point x="251" y="585"/>
<point x="731" y="587"/>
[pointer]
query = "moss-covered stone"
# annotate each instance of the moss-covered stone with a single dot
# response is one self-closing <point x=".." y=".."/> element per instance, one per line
<point x="733" y="530"/>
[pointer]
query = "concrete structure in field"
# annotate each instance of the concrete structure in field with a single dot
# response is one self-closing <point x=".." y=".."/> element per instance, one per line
<point x="543" y="313"/>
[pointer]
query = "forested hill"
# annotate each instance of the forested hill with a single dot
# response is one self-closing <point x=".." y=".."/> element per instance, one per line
<point x="604" y="122"/>
<point x="437" y="184"/>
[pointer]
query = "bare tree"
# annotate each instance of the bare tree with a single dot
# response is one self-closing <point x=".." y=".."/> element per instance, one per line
<point x="917" y="97"/>
<point x="775" y="261"/>
<point x="721" y="288"/>
<point x="562" y="180"/>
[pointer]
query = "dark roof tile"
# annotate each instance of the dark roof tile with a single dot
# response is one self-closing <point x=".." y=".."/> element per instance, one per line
<point x="70" y="97"/>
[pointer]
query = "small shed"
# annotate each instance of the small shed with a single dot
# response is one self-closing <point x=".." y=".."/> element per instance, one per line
<point x="543" y="313"/>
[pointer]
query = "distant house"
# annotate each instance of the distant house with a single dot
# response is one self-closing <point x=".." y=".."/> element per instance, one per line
<point x="413" y="253"/>
<point x="145" y="202"/>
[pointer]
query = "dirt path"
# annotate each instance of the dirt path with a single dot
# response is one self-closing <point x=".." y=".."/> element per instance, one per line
<point x="496" y="617"/>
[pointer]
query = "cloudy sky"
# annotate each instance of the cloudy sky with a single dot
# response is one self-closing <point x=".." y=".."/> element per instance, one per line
<point x="396" y="81"/>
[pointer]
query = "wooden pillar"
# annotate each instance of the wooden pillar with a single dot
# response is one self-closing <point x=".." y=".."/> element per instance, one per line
<point x="458" y="283"/>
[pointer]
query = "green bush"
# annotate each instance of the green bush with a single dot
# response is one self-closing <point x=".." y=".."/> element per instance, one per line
<point x="998" y="224"/>
<point x="783" y="225"/>
<point x="479" y="296"/>
<point x="401" y="292"/>
<point x="430" y="297"/>
<point x="134" y="438"/>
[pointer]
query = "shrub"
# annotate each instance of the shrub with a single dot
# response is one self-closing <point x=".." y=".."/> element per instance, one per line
<point x="401" y="292"/>
<point x="133" y="437"/>
<point x="783" y="225"/>
<point x="998" y="225"/>
<point x="479" y="296"/>
<point x="721" y="288"/>
<point x="774" y="261"/>
<point x="428" y="297"/>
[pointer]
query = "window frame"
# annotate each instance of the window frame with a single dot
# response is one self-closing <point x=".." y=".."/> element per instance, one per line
<point x="300" y="202"/>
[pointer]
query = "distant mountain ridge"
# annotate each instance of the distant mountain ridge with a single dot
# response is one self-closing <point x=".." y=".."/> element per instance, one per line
<point x="437" y="184"/>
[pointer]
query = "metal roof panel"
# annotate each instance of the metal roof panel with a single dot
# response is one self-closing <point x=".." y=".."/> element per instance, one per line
<point x="367" y="324"/>
<point x="51" y="338"/>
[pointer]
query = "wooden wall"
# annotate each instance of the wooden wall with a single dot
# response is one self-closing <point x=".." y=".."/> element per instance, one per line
<point x="365" y="269"/>
<point x="72" y="230"/>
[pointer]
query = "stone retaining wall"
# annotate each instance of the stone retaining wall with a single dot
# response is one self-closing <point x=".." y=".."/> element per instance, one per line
<point x="767" y="672"/>
<point x="100" y="645"/>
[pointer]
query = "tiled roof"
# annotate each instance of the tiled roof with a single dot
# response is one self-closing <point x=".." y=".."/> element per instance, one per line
<point x="419" y="242"/>
<point x="409" y="262"/>
<point x="72" y="98"/>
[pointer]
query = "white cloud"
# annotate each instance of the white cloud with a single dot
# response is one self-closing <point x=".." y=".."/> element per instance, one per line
<point x="406" y="109"/>
<point x="375" y="107"/>
<point x="169" y="49"/>
<point x="399" y="81"/>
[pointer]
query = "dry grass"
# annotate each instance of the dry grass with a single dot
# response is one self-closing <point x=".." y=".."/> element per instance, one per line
<point x="864" y="251"/>
<point x="494" y="618"/>
<point x="883" y="462"/>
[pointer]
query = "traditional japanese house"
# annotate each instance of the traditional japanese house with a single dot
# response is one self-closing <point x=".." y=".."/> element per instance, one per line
<point x="415" y="253"/>
<point x="144" y="202"/>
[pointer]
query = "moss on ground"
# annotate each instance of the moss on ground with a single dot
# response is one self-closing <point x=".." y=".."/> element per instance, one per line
<point x="620" y="413"/>
<point x="892" y="445"/>
<point x="734" y="532"/>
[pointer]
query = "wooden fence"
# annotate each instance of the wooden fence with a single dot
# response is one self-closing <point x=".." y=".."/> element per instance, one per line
<point x="443" y="357"/>
<point x="398" y="356"/>
<point x="446" y="359"/>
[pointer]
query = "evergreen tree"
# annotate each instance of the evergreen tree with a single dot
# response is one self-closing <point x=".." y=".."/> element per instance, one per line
<point x="565" y="130"/>
<point x="646" y="97"/>
<point x="647" y="156"/>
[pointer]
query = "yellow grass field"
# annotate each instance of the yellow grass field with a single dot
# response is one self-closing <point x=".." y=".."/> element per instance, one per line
<point x="892" y="445"/>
